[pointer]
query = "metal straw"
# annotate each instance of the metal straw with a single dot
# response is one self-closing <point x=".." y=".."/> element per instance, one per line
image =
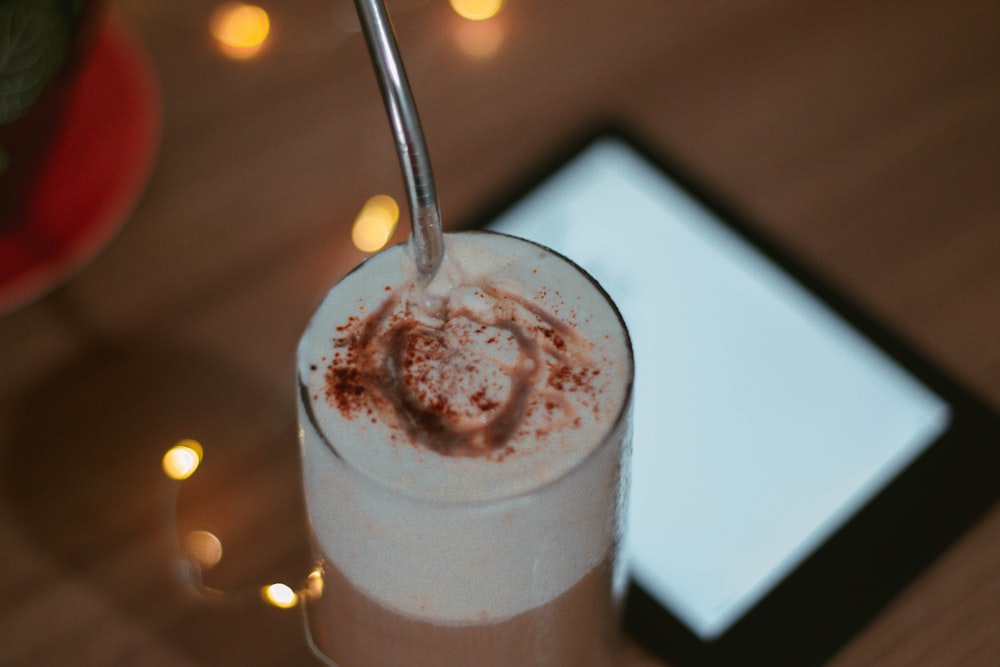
<point x="425" y="214"/>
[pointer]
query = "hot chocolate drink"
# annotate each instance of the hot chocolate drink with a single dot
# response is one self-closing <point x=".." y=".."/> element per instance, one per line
<point x="578" y="627"/>
<point x="463" y="444"/>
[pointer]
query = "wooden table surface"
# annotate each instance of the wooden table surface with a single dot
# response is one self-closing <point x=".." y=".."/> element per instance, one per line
<point x="864" y="136"/>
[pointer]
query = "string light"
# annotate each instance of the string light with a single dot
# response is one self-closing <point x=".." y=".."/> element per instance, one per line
<point x="203" y="547"/>
<point x="182" y="459"/>
<point x="477" y="10"/>
<point x="240" y="29"/>
<point x="280" y="596"/>
<point x="375" y="223"/>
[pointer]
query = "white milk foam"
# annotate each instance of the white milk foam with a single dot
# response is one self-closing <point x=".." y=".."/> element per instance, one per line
<point x="463" y="539"/>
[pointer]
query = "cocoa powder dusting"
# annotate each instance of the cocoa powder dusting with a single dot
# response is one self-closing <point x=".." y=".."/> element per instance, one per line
<point x="464" y="384"/>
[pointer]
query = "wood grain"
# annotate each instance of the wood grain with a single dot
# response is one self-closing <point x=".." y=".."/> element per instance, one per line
<point x="863" y="136"/>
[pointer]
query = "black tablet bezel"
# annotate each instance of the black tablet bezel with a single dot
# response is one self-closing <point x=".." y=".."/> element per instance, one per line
<point x="813" y="611"/>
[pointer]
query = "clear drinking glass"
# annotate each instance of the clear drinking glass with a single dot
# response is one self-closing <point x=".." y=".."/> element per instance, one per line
<point x="433" y="555"/>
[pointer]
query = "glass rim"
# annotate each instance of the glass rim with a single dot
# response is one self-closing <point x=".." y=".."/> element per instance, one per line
<point x="616" y="426"/>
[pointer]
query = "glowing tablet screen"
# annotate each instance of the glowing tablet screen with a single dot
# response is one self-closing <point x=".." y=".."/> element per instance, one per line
<point x="763" y="420"/>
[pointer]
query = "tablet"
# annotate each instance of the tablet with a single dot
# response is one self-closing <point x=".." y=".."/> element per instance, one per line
<point x="794" y="464"/>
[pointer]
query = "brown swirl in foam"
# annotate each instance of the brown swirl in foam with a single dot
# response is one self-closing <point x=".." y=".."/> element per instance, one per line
<point x="469" y="382"/>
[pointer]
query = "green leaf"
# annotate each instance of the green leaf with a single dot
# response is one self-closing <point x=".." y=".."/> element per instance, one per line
<point x="35" y="38"/>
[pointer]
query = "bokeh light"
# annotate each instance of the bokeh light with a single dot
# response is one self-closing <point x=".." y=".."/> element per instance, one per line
<point x="477" y="10"/>
<point x="182" y="459"/>
<point x="240" y="29"/>
<point x="314" y="584"/>
<point x="479" y="40"/>
<point x="203" y="547"/>
<point x="280" y="595"/>
<point x="375" y="223"/>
